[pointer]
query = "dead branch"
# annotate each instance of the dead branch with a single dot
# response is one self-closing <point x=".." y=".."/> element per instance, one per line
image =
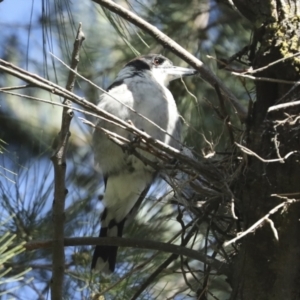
<point x="265" y="78"/>
<point x="163" y="151"/>
<point x="272" y="64"/>
<point x="224" y="115"/>
<point x="284" y="105"/>
<point x="59" y="163"/>
<point x="251" y="153"/>
<point x="260" y="221"/>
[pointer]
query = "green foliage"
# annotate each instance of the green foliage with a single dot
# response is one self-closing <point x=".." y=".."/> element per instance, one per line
<point x="2" y="147"/>
<point x="10" y="281"/>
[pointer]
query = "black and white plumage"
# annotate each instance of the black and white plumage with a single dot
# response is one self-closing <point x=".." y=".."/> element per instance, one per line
<point x="141" y="85"/>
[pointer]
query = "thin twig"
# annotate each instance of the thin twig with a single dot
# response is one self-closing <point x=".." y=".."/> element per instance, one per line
<point x="272" y="64"/>
<point x="273" y="228"/>
<point x="265" y="79"/>
<point x="284" y="105"/>
<point x="251" y="153"/>
<point x="233" y="209"/>
<point x="225" y="116"/>
<point x="260" y="221"/>
<point x="12" y="88"/>
<point x="160" y="149"/>
<point x="59" y="162"/>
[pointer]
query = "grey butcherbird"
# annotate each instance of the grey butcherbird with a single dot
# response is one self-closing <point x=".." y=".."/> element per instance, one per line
<point x="142" y="86"/>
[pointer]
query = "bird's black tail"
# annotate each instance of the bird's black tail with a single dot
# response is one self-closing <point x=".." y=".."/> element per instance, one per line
<point x="104" y="257"/>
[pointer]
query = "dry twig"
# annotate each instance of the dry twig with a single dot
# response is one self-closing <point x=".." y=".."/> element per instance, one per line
<point x="265" y="78"/>
<point x="59" y="162"/>
<point x="283" y="106"/>
<point x="260" y="221"/>
<point x="251" y="153"/>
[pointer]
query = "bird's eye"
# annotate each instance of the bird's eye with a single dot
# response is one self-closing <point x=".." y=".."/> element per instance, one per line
<point x="158" y="61"/>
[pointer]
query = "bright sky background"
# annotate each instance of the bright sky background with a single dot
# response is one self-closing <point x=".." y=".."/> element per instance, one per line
<point x="18" y="11"/>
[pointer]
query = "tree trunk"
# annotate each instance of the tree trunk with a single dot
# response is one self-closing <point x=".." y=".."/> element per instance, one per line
<point x="264" y="267"/>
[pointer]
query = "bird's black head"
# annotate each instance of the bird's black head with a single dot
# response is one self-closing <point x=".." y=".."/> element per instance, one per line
<point x="155" y="65"/>
<point x="148" y="62"/>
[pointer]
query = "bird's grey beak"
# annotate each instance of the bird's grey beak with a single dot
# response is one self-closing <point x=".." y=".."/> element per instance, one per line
<point x="177" y="72"/>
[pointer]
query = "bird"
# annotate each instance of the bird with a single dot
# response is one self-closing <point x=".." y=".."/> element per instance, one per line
<point x="139" y="95"/>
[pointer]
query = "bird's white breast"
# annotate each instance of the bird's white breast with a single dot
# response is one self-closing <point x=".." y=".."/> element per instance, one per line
<point x="146" y="97"/>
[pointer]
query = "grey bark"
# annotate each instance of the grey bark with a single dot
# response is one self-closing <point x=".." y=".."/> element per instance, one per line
<point x="265" y="268"/>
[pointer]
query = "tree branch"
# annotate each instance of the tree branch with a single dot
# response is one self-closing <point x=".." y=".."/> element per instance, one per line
<point x="168" y="43"/>
<point x="59" y="163"/>
<point x="221" y="267"/>
<point x="260" y="221"/>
